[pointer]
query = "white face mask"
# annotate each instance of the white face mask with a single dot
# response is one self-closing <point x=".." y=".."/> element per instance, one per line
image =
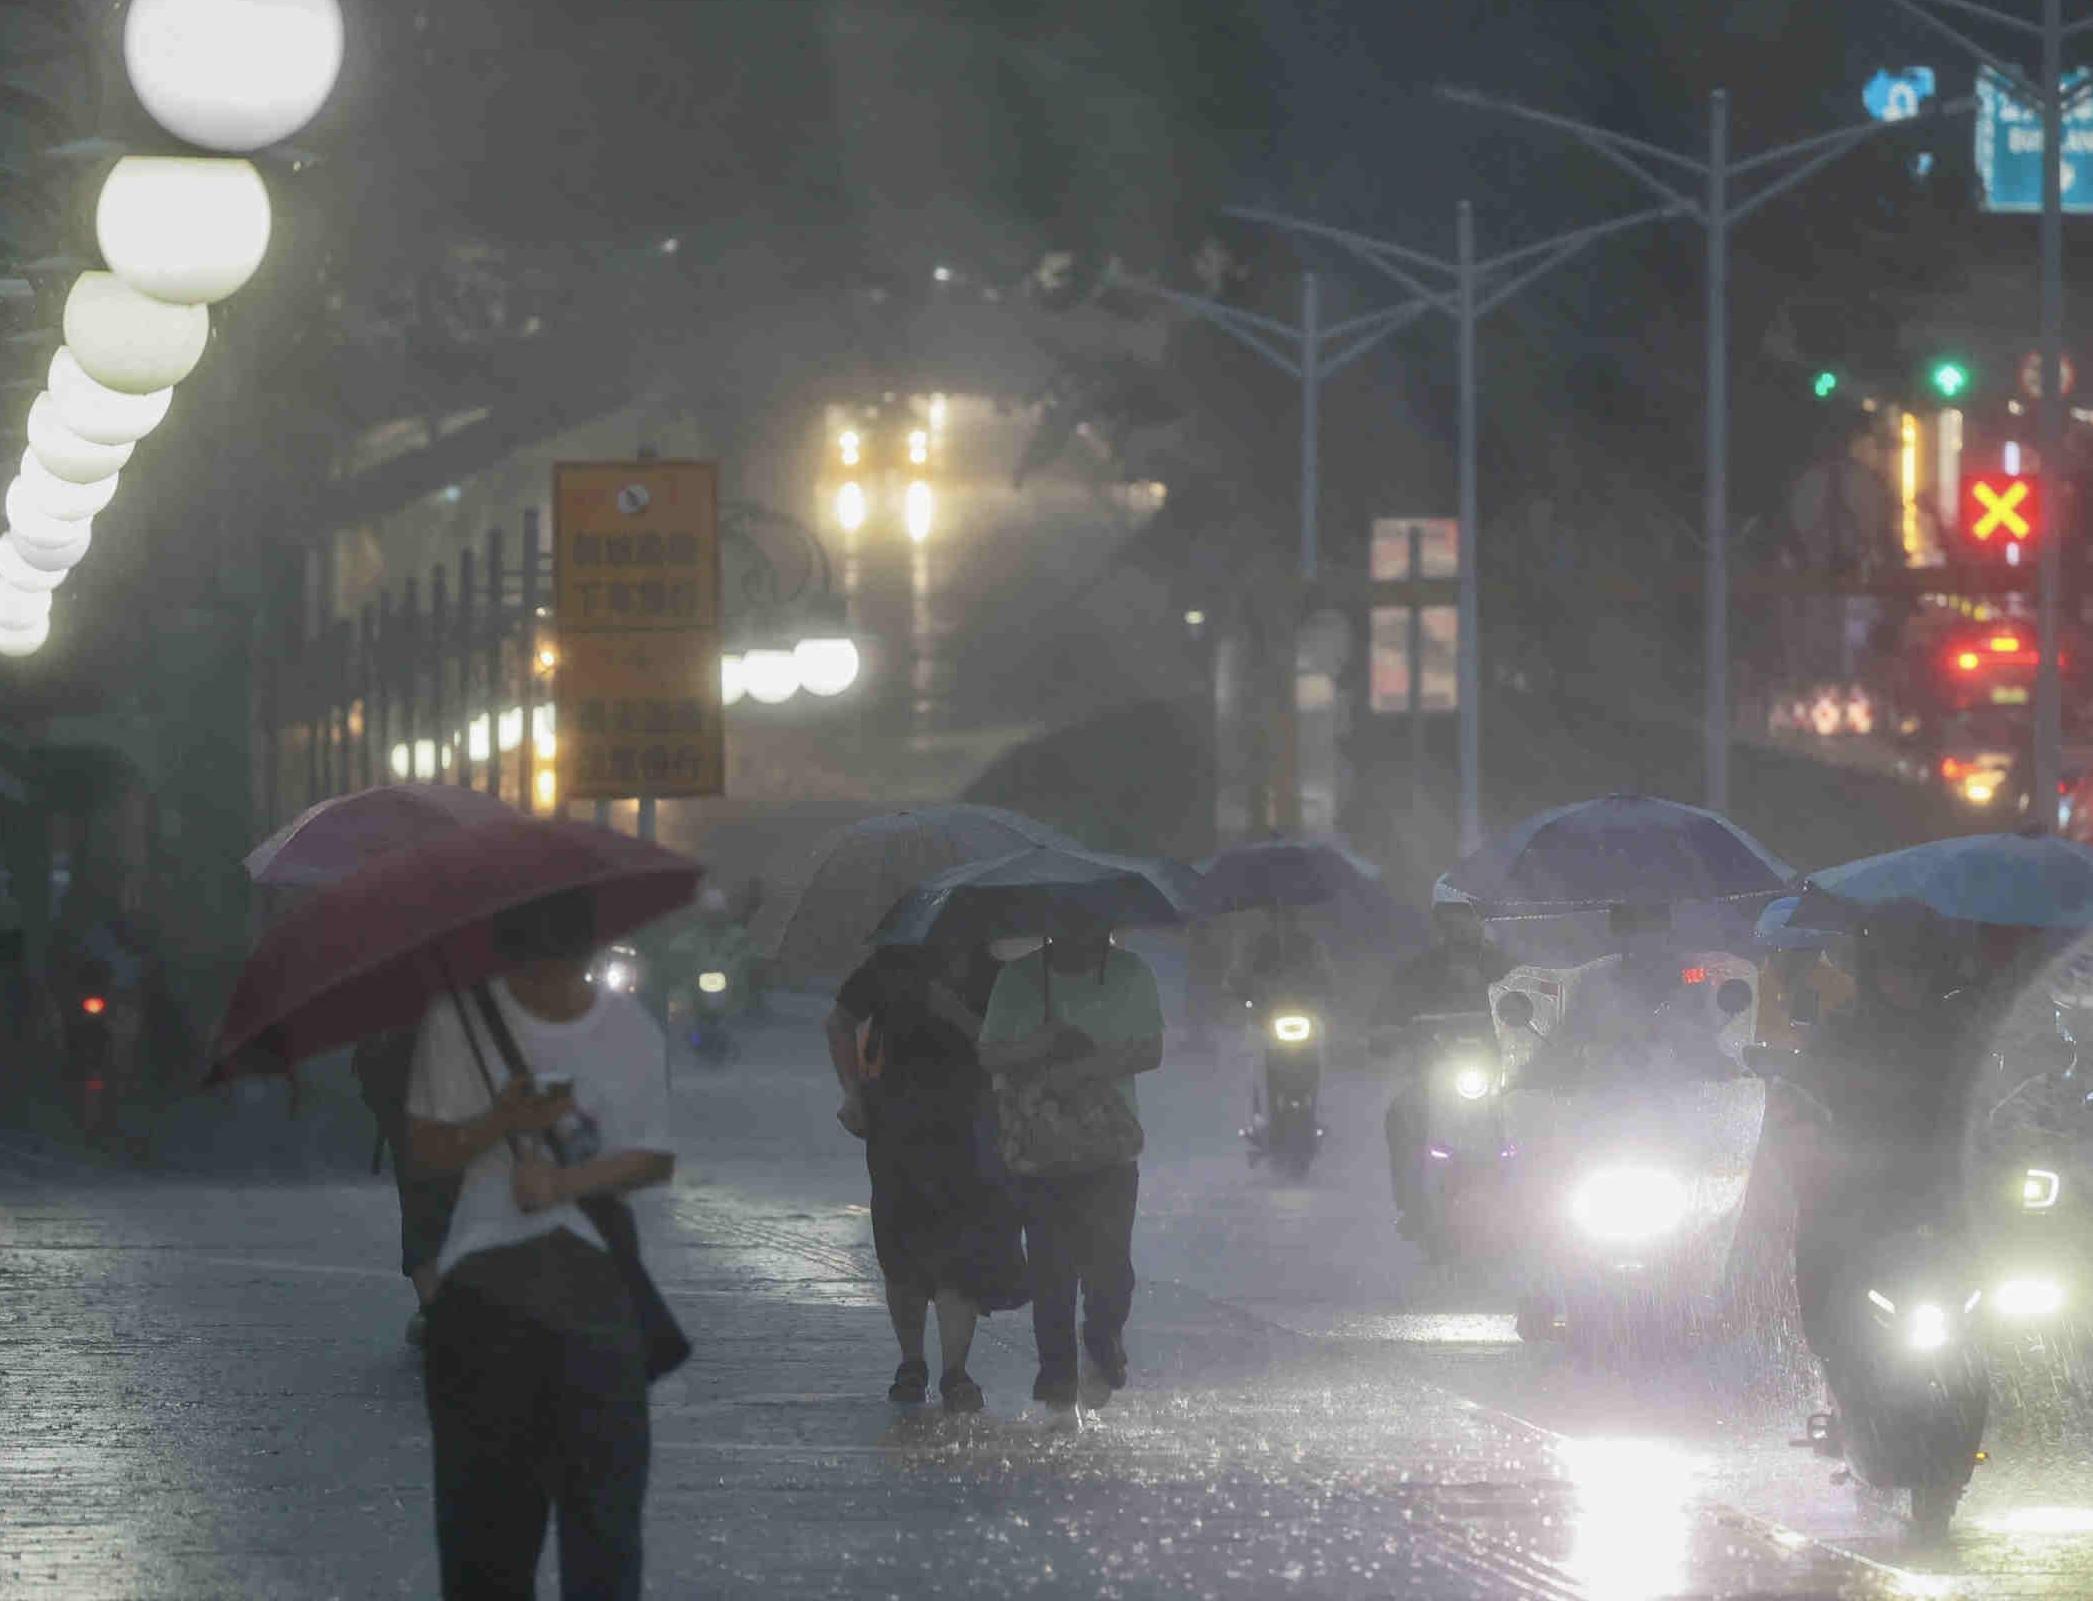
<point x="1010" y="950"/>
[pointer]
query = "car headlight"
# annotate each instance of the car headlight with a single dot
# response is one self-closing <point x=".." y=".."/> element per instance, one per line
<point x="2028" y="1297"/>
<point x="712" y="983"/>
<point x="1293" y="1028"/>
<point x="1625" y="1204"/>
<point x="1472" y="1083"/>
<point x="2039" y="1189"/>
<point x="1926" y="1329"/>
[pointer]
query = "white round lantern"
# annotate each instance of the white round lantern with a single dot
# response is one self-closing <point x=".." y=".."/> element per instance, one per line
<point x="98" y="414"/>
<point x="23" y="608"/>
<point x="233" y="74"/>
<point x="65" y="453"/>
<point x="826" y="666"/>
<point x="18" y="569"/>
<point x="55" y="497"/>
<point x="25" y="641"/>
<point x="189" y="229"/>
<point x="32" y="526"/>
<point x="129" y="341"/>
<point x="771" y="677"/>
<point x="51" y="558"/>
<point x="732" y="685"/>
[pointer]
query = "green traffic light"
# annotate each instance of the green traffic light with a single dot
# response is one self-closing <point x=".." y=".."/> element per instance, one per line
<point x="1823" y="384"/>
<point x="1949" y="379"/>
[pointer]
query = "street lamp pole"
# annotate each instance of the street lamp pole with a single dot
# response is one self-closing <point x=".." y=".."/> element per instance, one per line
<point x="1311" y="353"/>
<point x="1718" y="209"/>
<point x="2047" y="94"/>
<point x="1466" y="288"/>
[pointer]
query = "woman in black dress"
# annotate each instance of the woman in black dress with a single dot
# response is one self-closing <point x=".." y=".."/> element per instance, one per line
<point x="945" y="1232"/>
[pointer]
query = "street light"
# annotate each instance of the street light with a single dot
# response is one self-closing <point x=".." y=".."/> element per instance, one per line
<point x="184" y="229"/>
<point x="919" y="510"/>
<point x="771" y="676"/>
<point x="65" y="453"/>
<point x="233" y="74"/>
<point x="826" y="666"/>
<point x="128" y="341"/>
<point x="97" y="413"/>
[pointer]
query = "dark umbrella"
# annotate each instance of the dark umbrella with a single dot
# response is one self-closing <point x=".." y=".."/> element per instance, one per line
<point x="820" y="922"/>
<point x="328" y="841"/>
<point x="369" y="952"/>
<point x="1620" y="848"/>
<point x="1056" y="894"/>
<point x="1283" y="872"/>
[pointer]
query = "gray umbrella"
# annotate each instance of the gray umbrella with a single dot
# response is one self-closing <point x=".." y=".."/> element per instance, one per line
<point x="820" y="922"/>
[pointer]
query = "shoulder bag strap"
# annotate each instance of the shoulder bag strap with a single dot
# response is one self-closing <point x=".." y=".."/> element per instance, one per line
<point x="479" y="1056"/>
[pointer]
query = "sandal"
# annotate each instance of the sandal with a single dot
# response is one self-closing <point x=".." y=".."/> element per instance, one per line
<point x="911" y="1386"/>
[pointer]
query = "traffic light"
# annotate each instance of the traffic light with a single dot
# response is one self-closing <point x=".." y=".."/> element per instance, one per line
<point x="1948" y="377"/>
<point x="2001" y="512"/>
<point x="1824" y="384"/>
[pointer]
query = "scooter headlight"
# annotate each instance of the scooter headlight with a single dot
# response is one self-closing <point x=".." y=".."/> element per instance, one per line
<point x="1472" y="1083"/>
<point x="1293" y="1028"/>
<point x="714" y="983"/>
<point x="1926" y="1329"/>
<point x="2039" y="1189"/>
<point x="1627" y="1204"/>
<point x="2031" y="1297"/>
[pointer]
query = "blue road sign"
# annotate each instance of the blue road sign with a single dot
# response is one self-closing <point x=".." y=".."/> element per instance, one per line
<point x="1893" y="96"/>
<point x="2009" y="147"/>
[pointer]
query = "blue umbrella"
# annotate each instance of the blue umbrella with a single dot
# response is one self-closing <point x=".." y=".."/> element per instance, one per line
<point x="1776" y="932"/>
<point x="1283" y="872"/>
<point x="1619" y="848"/>
<point x="2006" y="879"/>
<point x="1045" y="891"/>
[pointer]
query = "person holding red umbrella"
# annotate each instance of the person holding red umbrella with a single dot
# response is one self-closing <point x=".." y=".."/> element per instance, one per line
<point x="547" y="1095"/>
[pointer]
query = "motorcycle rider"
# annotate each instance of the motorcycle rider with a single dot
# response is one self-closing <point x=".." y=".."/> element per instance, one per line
<point x="1451" y="978"/>
<point x="1283" y="968"/>
<point x="1891" y="1080"/>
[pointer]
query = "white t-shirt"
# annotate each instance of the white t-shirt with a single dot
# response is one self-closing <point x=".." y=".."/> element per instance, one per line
<point x="614" y="1054"/>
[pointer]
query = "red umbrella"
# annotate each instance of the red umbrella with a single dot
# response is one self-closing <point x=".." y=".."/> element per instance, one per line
<point x="333" y="839"/>
<point x="369" y="953"/>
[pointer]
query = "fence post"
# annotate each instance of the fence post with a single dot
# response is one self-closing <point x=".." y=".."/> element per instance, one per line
<point x="468" y="660"/>
<point x="410" y="661"/>
<point x="528" y="648"/>
<point x="366" y="683"/>
<point x="496" y="625"/>
<point x="439" y="686"/>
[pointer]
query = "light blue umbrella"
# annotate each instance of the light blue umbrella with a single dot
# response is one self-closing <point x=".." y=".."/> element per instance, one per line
<point x="1776" y="933"/>
<point x="1617" y="848"/>
<point x="2006" y="879"/>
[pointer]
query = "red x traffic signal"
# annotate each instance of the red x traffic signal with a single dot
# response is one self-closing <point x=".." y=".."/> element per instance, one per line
<point x="2001" y="509"/>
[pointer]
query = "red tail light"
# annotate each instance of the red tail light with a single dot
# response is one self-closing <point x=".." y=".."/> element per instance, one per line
<point x="1952" y="768"/>
<point x="1693" y="975"/>
<point x="94" y="1006"/>
<point x="1969" y="661"/>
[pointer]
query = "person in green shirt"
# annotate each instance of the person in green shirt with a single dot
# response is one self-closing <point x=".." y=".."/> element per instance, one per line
<point x="1066" y="1031"/>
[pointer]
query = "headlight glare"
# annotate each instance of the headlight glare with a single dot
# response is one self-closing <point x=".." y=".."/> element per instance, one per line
<point x="1292" y="1028"/>
<point x="2029" y="1297"/>
<point x="1628" y="1204"/>
<point x="1927" y="1328"/>
<point x="2039" y="1189"/>
<point x="1471" y="1083"/>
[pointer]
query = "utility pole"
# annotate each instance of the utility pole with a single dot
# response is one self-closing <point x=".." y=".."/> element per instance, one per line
<point x="1311" y="354"/>
<point x="1466" y="288"/>
<point x="1718" y="208"/>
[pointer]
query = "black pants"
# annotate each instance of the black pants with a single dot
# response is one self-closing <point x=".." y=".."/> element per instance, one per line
<point x="1079" y="1232"/>
<point x="532" y="1413"/>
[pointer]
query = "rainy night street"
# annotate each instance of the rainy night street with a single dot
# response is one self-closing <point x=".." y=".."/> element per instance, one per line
<point x="227" y="1409"/>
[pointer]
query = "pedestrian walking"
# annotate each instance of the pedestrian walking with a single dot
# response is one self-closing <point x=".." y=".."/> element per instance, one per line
<point x="538" y="1357"/>
<point x="903" y="1033"/>
<point x="1067" y="1030"/>
<point x="381" y="1065"/>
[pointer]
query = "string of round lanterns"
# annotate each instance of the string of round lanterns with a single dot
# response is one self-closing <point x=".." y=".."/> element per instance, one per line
<point x="178" y="233"/>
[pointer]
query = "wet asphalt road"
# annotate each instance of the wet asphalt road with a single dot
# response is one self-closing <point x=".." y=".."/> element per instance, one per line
<point x="203" y="1393"/>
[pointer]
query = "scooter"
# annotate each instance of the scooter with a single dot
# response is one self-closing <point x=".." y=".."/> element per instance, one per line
<point x="1458" y="1148"/>
<point x="1910" y="1382"/>
<point x="1285" y="1121"/>
<point x="1635" y="1157"/>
